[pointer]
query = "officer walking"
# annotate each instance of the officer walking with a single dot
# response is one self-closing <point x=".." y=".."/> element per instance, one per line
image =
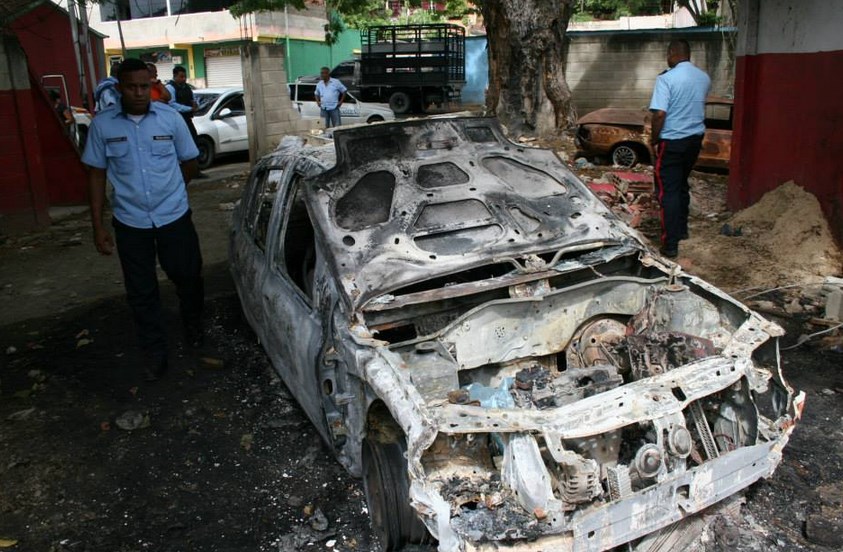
<point x="330" y="94"/>
<point x="147" y="153"/>
<point x="678" y="107"/>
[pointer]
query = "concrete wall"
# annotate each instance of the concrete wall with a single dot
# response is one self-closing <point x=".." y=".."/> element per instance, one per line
<point x="619" y="69"/>
<point x="208" y="27"/>
<point x="270" y="114"/>
<point x="667" y="21"/>
<point x="788" y="113"/>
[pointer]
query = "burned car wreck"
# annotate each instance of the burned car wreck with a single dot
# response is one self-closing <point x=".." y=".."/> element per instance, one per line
<point x="501" y="359"/>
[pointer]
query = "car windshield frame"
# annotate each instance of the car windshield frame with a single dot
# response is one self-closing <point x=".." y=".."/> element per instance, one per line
<point x="206" y="105"/>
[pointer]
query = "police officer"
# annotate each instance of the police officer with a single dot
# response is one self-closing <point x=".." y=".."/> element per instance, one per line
<point x="678" y="107"/>
<point x="146" y="151"/>
<point x="182" y="97"/>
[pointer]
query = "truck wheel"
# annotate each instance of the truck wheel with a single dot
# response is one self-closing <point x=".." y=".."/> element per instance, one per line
<point x="400" y="103"/>
<point x="206" y="152"/>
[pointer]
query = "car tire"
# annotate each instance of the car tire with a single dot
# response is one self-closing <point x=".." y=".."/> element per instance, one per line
<point x="387" y="488"/>
<point x="625" y="155"/>
<point x="374" y="119"/>
<point x="206" y="152"/>
<point x="400" y="103"/>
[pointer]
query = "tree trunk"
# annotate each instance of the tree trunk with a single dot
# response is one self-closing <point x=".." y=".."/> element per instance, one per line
<point x="527" y="87"/>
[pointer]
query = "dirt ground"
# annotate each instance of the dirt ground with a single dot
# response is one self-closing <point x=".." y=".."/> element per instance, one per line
<point x="222" y="458"/>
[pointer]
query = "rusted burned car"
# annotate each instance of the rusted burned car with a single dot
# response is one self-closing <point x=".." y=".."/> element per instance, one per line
<point x="502" y="360"/>
<point x="623" y="135"/>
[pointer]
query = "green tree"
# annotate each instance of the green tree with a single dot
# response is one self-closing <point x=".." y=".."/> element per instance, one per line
<point x="612" y="9"/>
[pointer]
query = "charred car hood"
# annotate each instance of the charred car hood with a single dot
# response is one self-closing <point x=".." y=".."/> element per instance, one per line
<point x="413" y="201"/>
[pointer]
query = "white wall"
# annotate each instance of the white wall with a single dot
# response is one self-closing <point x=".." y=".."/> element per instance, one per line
<point x="196" y="28"/>
<point x="791" y="26"/>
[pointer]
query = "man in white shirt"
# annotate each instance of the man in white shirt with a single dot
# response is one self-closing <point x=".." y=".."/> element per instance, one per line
<point x="330" y="94"/>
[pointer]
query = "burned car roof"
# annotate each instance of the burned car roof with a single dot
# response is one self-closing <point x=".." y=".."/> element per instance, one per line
<point x="412" y="201"/>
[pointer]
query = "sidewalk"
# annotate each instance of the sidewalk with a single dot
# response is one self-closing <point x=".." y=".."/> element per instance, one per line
<point x="49" y="272"/>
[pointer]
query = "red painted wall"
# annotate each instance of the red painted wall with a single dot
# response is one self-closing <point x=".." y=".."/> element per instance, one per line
<point x="23" y="194"/>
<point x="66" y="177"/>
<point x="44" y="34"/>
<point x="789" y="126"/>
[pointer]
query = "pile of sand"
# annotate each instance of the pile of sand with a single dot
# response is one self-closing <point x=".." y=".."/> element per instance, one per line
<point x="786" y="239"/>
<point x="789" y="223"/>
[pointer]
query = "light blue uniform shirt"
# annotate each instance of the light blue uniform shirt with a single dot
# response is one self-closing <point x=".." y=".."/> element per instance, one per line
<point x="681" y="93"/>
<point x="329" y="94"/>
<point x="142" y="162"/>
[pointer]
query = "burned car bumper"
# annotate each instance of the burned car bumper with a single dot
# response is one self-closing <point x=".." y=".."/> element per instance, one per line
<point x="622" y="515"/>
<point x="543" y="477"/>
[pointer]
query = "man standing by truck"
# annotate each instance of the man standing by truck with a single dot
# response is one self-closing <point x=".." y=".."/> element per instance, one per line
<point x="330" y="94"/>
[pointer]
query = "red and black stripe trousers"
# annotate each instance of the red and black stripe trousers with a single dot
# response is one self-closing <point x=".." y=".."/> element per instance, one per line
<point x="674" y="161"/>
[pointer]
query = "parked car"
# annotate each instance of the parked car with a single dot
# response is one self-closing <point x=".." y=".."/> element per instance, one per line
<point x="501" y="359"/>
<point x="623" y="135"/>
<point x="353" y="111"/>
<point x="220" y="123"/>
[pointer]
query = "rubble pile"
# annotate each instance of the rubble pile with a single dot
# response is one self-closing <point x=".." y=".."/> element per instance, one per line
<point x="630" y="195"/>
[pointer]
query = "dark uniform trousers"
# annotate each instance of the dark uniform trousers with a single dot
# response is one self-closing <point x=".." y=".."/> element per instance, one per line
<point x="674" y="161"/>
<point x="176" y="246"/>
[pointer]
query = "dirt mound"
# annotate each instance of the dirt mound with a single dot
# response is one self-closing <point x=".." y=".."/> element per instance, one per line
<point x="784" y="239"/>
<point x="789" y="222"/>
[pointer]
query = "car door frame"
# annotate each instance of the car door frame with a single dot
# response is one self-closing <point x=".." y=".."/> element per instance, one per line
<point x="226" y="127"/>
<point x="248" y="260"/>
<point x="294" y="338"/>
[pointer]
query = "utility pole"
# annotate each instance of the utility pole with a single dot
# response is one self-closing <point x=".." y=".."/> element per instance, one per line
<point x="83" y="17"/>
<point x="74" y="33"/>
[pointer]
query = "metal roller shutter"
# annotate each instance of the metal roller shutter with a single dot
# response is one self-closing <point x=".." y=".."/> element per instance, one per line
<point x="223" y="71"/>
<point x="165" y="70"/>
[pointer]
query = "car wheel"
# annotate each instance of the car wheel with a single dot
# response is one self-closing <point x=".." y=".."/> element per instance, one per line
<point x="400" y="103"/>
<point x="206" y="152"/>
<point x="624" y="155"/>
<point x="374" y="119"/>
<point x="387" y="488"/>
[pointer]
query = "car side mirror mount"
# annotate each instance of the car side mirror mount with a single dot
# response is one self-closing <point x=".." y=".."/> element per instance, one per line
<point x="224" y="112"/>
